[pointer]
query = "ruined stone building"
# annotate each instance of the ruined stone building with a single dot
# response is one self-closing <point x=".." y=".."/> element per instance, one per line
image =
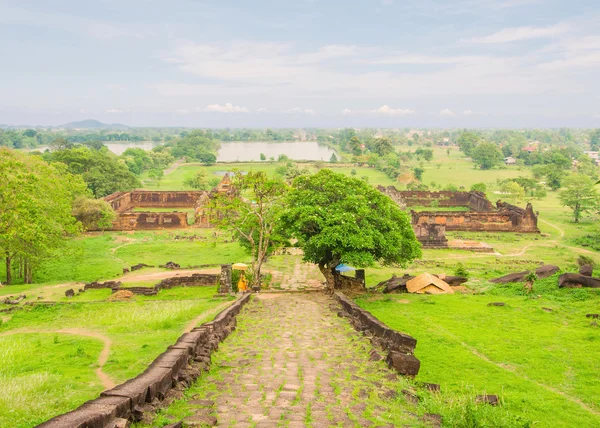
<point x="129" y="216"/>
<point x="480" y="215"/>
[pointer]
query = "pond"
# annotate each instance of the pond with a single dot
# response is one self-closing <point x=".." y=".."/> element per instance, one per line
<point x="243" y="151"/>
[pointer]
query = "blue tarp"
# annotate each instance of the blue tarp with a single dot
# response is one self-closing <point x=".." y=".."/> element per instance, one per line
<point x="344" y="268"/>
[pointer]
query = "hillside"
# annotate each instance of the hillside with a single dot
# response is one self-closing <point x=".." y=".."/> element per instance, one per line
<point x="92" y="124"/>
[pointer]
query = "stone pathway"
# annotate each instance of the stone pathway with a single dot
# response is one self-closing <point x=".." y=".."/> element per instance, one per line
<point x="292" y="362"/>
<point x="304" y="277"/>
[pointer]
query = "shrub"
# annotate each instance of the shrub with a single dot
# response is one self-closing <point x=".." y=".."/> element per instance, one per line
<point x="460" y="270"/>
<point x="585" y="261"/>
<point x="479" y="187"/>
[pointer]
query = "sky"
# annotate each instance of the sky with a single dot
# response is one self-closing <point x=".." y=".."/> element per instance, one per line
<point x="301" y="63"/>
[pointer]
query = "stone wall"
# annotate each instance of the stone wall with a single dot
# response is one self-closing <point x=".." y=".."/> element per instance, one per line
<point x="177" y="367"/>
<point x="476" y="201"/>
<point x="195" y="280"/>
<point x="150" y="220"/>
<point x="430" y="226"/>
<point x="400" y="346"/>
<point x="120" y="201"/>
<point x="508" y="218"/>
<point x="165" y="199"/>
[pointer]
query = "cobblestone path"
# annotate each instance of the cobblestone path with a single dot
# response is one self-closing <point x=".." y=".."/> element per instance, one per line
<point x="292" y="362"/>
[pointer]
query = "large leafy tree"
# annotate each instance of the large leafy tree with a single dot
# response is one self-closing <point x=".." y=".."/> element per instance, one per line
<point x="252" y="211"/>
<point x="579" y="194"/>
<point x="102" y="171"/>
<point x="486" y="155"/>
<point x="35" y="210"/>
<point x="467" y="141"/>
<point x="341" y="219"/>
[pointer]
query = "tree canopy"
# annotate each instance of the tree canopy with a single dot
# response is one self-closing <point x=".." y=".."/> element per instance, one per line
<point x="35" y="209"/>
<point x="338" y="219"/>
<point x="252" y="213"/>
<point x="579" y="194"/>
<point x="486" y="155"/>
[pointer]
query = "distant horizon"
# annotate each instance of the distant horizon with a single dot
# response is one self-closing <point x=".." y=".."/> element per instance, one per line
<point x="404" y="126"/>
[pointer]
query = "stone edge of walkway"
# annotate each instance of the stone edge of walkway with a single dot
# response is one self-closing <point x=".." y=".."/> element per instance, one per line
<point x="400" y="346"/>
<point x="168" y="373"/>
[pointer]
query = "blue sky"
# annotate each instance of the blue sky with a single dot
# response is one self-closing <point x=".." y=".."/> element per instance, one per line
<point x="257" y="63"/>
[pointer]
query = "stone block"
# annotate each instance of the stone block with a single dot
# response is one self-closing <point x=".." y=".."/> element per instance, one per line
<point x="404" y="364"/>
<point x="487" y="399"/>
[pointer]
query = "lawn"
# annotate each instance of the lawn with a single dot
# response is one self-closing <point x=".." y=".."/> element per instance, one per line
<point x="49" y="354"/>
<point x="541" y="362"/>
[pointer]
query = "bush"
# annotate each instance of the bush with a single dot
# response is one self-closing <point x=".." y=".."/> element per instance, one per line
<point x="461" y="271"/>
<point x="479" y="187"/>
<point x="585" y="261"/>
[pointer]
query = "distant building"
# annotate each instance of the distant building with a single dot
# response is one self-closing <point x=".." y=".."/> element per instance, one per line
<point x="510" y="161"/>
<point x="528" y="149"/>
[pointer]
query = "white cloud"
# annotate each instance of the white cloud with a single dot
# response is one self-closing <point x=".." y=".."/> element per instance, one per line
<point x="114" y="110"/>
<point x="467" y="112"/>
<point x="384" y="110"/>
<point x="298" y="110"/>
<point x="447" y="113"/>
<point x="515" y="34"/>
<point x="182" y="111"/>
<point x="262" y="110"/>
<point x="387" y="2"/>
<point x="226" y="108"/>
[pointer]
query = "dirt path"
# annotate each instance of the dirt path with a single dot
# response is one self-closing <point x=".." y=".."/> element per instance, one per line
<point x="106" y="381"/>
<point x="174" y="166"/>
<point x="293" y="362"/>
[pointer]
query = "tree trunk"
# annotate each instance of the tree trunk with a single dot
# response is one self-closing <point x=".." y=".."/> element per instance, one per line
<point x="8" y="268"/>
<point x="328" y="272"/>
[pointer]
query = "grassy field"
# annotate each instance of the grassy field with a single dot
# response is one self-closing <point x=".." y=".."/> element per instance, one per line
<point x="541" y="363"/>
<point x="537" y="353"/>
<point x="49" y="354"/>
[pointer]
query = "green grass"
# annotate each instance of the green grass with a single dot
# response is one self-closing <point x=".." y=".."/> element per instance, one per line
<point x="55" y="370"/>
<point x="541" y="363"/>
<point x="102" y="256"/>
<point x="45" y="373"/>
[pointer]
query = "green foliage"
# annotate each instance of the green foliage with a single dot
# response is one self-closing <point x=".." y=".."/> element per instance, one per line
<point x="512" y="190"/>
<point x="35" y="209"/>
<point x="460" y="270"/>
<point x="263" y="157"/>
<point x="196" y="145"/>
<point x="585" y="261"/>
<point x="252" y="214"/>
<point x="94" y="214"/>
<point x="479" y="187"/>
<point x="579" y="195"/>
<point x="486" y="155"/>
<point x="383" y="146"/>
<point x="333" y="158"/>
<point x="467" y="141"/>
<point x="418" y="173"/>
<point x="101" y="170"/>
<point x="340" y="219"/>
<point x="200" y="181"/>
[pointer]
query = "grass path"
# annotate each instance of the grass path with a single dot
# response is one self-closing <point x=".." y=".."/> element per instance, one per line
<point x="105" y="379"/>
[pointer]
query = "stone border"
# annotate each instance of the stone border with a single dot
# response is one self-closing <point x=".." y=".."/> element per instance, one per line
<point x="168" y="371"/>
<point x="400" y="346"/>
